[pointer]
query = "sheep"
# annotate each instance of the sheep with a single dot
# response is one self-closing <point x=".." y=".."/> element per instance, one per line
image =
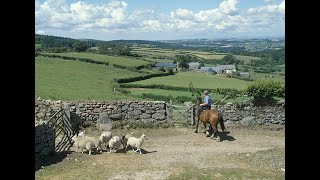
<point x="115" y="143"/>
<point x="135" y="142"/>
<point x="105" y="137"/>
<point x="96" y="140"/>
<point x="81" y="133"/>
<point x="125" y="138"/>
<point x="83" y="143"/>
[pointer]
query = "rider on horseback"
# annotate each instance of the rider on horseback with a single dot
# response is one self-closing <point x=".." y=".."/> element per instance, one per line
<point x="206" y="105"/>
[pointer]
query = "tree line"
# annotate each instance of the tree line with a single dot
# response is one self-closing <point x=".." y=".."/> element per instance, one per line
<point x="123" y="47"/>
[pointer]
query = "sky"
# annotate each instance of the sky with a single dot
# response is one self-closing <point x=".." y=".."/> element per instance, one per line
<point x="160" y="19"/>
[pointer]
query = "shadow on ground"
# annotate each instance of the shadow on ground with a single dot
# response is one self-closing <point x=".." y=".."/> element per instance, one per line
<point x="225" y="136"/>
<point x="50" y="159"/>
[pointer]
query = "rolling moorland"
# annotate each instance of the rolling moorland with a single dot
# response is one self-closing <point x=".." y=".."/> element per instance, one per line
<point x="69" y="69"/>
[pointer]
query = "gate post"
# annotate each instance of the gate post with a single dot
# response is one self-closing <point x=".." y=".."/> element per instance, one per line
<point x="169" y="112"/>
<point x="192" y="117"/>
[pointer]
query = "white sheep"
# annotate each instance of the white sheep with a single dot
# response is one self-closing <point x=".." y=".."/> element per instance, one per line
<point x="81" y="133"/>
<point x="114" y="143"/>
<point x="124" y="139"/>
<point x="135" y="142"/>
<point x="96" y="140"/>
<point x="105" y="137"/>
<point x="83" y="143"/>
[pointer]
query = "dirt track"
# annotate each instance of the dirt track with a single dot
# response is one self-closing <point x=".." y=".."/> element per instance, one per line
<point x="168" y="152"/>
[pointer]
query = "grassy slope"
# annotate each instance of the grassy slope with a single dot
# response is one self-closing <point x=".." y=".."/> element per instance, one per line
<point x="199" y="80"/>
<point x="174" y="94"/>
<point x="73" y="80"/>
<point x="125" y="61"/>
<point x="205" y="55"/>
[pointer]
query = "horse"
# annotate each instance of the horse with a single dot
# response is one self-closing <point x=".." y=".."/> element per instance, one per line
<point x="213" y="117"/>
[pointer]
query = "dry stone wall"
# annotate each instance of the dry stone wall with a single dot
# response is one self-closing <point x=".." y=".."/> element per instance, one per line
<point x="89" y="112"/>
<point x="44" y="139"/>
<point x="262" y="115"/>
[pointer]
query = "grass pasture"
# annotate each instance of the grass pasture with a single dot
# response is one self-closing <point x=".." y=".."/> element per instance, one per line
<point x="74" y="80"/>
<point x="169" y="53"/>
<point x="124" y="61"/>
<point x="199" y="80"/>
<point x="174" y="94"/>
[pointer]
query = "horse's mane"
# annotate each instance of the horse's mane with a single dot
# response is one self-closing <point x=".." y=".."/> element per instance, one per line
<point x="199" y="100"/>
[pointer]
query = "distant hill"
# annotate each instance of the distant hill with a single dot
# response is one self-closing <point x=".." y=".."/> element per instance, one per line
<point x="246" y="47"/>
<point x="47" y="41"/>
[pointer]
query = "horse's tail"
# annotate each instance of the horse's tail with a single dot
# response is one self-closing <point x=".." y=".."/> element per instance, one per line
<point x="221" y="122"/>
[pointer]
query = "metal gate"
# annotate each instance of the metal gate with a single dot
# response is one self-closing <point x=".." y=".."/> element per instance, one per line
<point x="181" y="115"/>
<point x="63" y="131"/>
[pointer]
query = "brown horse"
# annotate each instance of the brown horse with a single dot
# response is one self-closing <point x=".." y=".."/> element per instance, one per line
<point x="213" y="117"/>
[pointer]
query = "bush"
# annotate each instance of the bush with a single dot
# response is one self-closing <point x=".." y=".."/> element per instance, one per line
<point x="178" y="99"/>
<point x="139" y="78"/>
<point x="264" y="91"/>
<point x="170" y="71"/>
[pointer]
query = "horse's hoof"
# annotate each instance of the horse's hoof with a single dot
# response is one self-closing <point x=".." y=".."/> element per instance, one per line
<point x="195" y="131"/>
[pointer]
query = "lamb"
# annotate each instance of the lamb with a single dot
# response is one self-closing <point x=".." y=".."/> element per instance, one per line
<point x="135" y="142"/>
<point x="96" y="140"/>
<point x="115" y="143"/>
<point x="83" y="143"/>
<point x="105" y="137"/>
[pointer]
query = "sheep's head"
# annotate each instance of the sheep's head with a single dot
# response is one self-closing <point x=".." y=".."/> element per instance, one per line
<point x="144" y="136"/>
<point x="74" y="138"/>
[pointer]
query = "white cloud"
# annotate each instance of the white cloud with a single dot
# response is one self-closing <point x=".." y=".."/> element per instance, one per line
<point x="79" y="15"/>
<point x="282" y="7"/>
<point x="271" y="9"/>
<point x="228" y="7"/>
<point x="40" y="32"/>
<point x="183" y="14"/>
<point x="113" y="17"/>
<point x="208" y="15"/>
<point x="151" y="25"/>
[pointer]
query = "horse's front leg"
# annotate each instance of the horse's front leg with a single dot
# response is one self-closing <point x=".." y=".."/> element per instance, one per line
<point x="215" y="133"/>
<point x="196" y="131"/>
<point x="205" y="127"/>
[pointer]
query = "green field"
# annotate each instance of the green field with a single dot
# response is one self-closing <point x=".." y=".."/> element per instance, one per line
<point x="174" y="94"/>
<point x="157" y="52"/>
<point x="124" y="61"/>
<point x="199" y="80"/>
<point x="73" y="80"/>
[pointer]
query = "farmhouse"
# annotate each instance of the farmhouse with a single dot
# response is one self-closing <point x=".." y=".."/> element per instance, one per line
<point x="219" y="69"/>
<point x="228" y="69"/>
<point x="211" y="70"/>
<point x="194" y="65"/>
<point x="166" y="65"/>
